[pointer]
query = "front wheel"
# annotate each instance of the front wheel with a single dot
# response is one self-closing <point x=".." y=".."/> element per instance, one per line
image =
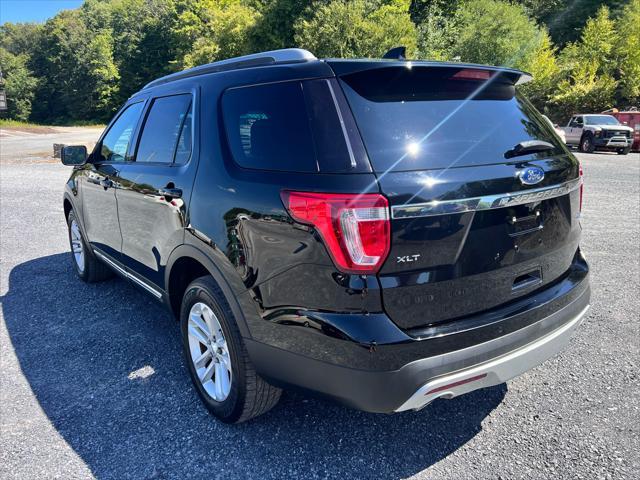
<point x="586" y="144"/>
<point x="623" y="151"/>
<point x="218" y="363"/>
<point x="85" y="263"/>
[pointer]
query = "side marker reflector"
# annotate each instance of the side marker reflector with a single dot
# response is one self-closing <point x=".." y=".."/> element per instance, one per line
<point x="455" y="384"/>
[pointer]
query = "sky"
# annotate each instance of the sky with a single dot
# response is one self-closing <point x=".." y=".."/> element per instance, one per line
<point x="33" y="10"/>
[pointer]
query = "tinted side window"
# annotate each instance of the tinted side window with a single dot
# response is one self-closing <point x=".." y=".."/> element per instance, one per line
<point x="268" y="127"/>
<point x="116" y="141"/>
<point x="162" y="129"/>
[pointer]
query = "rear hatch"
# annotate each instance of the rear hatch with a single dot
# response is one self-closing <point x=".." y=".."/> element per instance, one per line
<point x="460" y="157"/>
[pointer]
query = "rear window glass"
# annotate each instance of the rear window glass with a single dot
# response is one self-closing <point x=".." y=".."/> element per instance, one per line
<point x="428" y="118"/>
<point x="163" y="128"/>
<point x="288" y="126"/>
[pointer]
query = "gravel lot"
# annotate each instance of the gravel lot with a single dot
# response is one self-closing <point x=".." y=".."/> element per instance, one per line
<point x="93" y="383"/>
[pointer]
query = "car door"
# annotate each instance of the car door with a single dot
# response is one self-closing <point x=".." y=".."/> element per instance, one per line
<point x="568" y="132"/>
<point x="99" y="181"/>
<point x="155" y="188"/>
<point x="576" y="130"/>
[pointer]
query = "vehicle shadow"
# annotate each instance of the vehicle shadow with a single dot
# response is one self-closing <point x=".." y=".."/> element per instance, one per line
<point x="104" y="362"/>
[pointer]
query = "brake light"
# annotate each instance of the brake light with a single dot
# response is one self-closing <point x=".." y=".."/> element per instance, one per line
<point x="354" y="227"/>
<point x="472" y="74"/>
<point x="581" y="185"/>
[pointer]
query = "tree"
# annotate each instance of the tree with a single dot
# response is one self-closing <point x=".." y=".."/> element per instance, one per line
<point x="19" y="84"/>
<point x="210" y="30"/>
<point x="19" y="38"/>
<point x="275" y="27"/>
<point x="436" y="28"/>
<point x="357" y="28"/>
<point x="565" y="20"/>
<point x="628" y="53"/>
<point x="422" y="10"/>
<point x="588" y="67"/>
<point x="545" y="70"/>
<point x="144" y="43"/>
<point x="495" y="32"/>
<point x="77" y="63"/>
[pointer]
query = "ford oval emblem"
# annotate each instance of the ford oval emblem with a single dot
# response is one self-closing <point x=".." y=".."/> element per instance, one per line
<point x="531" y="175"/>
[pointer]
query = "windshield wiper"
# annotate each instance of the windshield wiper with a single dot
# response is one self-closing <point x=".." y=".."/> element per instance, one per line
<point x="528" y="146"/>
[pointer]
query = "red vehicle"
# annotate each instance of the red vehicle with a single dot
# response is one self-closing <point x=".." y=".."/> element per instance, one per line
<point x="632" y="119"/>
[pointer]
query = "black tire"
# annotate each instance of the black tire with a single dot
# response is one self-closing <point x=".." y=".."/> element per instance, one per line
<point x="249" y="395"/>
<point x="623" y="151"/>
<point x="93" y="270"/>
<point x="586" y="143"/>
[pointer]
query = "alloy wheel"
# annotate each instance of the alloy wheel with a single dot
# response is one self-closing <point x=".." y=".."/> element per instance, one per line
<point x="77" y="246"/>
<point x="209" y="352"/>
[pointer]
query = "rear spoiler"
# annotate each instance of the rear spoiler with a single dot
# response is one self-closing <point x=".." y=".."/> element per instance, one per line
<point x="346" y="67"/>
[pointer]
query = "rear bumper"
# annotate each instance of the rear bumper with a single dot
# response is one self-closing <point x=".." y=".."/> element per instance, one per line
<point x="413" y="368"/>
<point x="496" y="371"/>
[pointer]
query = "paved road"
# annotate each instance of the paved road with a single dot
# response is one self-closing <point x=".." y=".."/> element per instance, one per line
<point x="27" y="146"/>
<point x="93" y="383"/>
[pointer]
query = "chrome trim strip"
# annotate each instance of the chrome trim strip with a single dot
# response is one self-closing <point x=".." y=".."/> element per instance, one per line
<point x="147" y="287"/>
<point x="112" y="264"/>
<point x="347" y="140"/>
<point x="487" y="202"/>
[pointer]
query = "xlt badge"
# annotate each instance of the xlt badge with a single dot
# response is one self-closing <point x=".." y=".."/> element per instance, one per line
<point x="408" y="258"/>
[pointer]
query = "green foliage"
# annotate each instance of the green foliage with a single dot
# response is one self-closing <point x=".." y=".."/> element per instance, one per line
<point x="144" y="44"/>
<point x="81" y="76"/>
<point x="628" y="53"/>
<point x="437" y="29"/>
<point x="495" y="32"/>
<point x="422" y="10"/>
<point x="83" y="64"/>
<point x="18" y="83"/>
<point x="275" y="27"/>
<point x="19" y="38"/>
<point x="545" y="70"/>
<point x="357" y="28"/>
<point x="588" y="68"/>
<point x="211" y="30"/>
<point x="566" y="19"/>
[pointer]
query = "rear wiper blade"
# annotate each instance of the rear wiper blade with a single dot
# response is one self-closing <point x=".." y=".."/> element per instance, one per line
<point x="528" y="146"/>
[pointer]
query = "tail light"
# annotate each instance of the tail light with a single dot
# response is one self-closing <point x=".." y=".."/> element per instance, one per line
<point x="354" y="227"/>
<point x="581" y="185"/>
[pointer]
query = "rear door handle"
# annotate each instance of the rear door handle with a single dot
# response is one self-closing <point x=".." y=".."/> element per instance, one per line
<point x="170" y="192"/>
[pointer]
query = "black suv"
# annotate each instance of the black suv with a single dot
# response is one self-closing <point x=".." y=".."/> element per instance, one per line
<point x="380" y="232"/>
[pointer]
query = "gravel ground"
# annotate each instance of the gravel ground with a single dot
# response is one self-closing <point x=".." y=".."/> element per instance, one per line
<point x="93" y="383"/>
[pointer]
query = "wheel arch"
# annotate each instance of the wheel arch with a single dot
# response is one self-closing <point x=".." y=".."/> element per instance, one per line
<point x="67" y="207"/>
<point x="186" y="263"/>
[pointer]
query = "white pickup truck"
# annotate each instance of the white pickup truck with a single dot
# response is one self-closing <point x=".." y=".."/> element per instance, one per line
<point x="598" y="132"/>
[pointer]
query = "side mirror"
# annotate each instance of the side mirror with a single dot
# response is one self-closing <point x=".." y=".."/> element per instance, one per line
<point x="625" y="123"/>
<point x="74" y="155"/>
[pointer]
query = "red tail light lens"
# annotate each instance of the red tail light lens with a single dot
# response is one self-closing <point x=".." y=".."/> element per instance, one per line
<point x="472" y="74"/>
<point x="581" y="185"/>
<point x="355" y="228"/>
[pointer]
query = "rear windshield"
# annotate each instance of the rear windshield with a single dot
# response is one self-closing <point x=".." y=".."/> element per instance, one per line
<point x="428" y="118"/>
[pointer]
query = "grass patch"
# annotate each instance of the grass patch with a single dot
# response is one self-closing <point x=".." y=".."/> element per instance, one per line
<point x="17" y="124"/>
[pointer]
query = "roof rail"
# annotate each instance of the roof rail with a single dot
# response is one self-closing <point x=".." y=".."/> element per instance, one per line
<point x="285" y="55"/>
